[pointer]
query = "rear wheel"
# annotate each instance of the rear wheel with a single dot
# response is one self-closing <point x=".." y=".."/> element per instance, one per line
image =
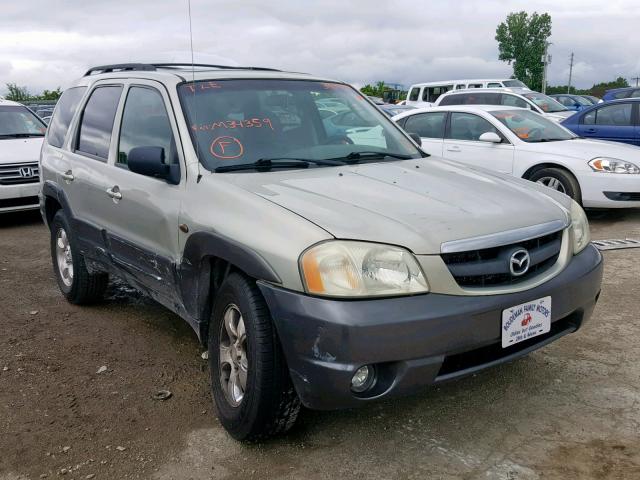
<point x="75" y="282"/>
<point x="560" y="180"/>
<point x="250" y="380"/>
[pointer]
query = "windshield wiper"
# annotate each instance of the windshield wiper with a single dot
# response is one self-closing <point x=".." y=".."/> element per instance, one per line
<point x="265" y="164"/>
<point x="543" y="140"/>
<point x="21" y="135"/>
<point x="356" y="157"/>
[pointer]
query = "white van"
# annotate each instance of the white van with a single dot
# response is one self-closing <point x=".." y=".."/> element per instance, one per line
<point x="424" y="94"/>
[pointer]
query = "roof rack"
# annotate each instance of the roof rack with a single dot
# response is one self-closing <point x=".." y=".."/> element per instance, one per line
<point x="150" y="67"/>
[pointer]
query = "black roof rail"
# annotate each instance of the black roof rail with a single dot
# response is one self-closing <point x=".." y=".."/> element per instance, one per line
<point x="121" y="67"/>
<point x="207" y="65"/>
<point x="150" y="67"/>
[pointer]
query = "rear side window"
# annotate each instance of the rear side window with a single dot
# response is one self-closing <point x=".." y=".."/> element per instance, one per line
<point x="618" y="115"/>
<point x="414" y="94"/>
<point x="480" y="98"/>
<point x="96" y="125"/>
<point x="431" y="94"/>
<point x="64" y="112"/>
<point x="618" y="95"/>
<point x="429" y="125"/>
<point x="513" y="101"/>
<point x="494" y="85"/>
<point x="635" y="94"/>
<point x="145" y="123"/>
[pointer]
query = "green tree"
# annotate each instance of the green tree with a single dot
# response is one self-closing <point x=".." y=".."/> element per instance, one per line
<point x="521" y="42"/>
<point x="50" y="94"/>
<point x="376" y="90"/>
<point x="17" y="93"/>
<point x="599" y="88"/>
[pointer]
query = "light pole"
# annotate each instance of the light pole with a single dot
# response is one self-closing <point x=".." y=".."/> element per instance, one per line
<point x="546" y="60"/>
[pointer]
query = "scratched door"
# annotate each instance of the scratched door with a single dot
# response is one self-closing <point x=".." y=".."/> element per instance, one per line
<point x="142" y="225"/>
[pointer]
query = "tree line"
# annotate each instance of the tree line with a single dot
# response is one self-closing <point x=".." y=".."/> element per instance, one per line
<point x="21" y="94"/>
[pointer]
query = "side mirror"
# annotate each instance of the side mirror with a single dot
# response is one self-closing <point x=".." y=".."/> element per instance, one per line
<point x="490" y="137"/>
<point x="416" y="138"/>
<point x="149" y="161"/>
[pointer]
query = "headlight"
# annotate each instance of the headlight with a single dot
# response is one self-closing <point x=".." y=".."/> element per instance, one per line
<point x="612" y="165"/>
<point x="359" y="269"/>
<point x="579" y="228"/>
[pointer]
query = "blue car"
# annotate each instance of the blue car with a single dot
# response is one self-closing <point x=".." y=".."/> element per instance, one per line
<point x="572" y="102"/>
<point x="619" y="93"/>
<point x="618" y="120"/>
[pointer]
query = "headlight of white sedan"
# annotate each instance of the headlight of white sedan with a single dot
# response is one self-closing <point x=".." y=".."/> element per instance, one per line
<point x="341" y="268"/>
<point x="579" y="228"/>
<point x="613" y="165"/>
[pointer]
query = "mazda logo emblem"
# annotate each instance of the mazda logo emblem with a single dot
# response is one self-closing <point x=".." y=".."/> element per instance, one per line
<point x="519" y="262"/>
<point x="26" y="172"/>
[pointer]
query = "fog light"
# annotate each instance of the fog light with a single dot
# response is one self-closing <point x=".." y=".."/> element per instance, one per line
<point x="363" y="379"/>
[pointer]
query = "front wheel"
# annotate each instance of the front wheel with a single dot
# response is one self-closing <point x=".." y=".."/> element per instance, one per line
<point x="559" y="180"/>
<point x="250" y="380"/>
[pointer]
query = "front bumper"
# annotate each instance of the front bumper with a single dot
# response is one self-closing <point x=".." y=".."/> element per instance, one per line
<point x="595" y="184"/>
<point x="14" y="198"/>
<point x="414" y="341"/>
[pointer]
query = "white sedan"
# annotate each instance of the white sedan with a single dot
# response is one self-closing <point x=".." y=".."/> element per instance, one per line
<point x="596" y="173"/>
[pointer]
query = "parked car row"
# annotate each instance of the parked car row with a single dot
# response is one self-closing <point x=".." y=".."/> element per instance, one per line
<point x="527" y="145"/>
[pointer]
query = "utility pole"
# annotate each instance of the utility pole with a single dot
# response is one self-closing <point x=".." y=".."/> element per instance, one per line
<point x="636" y="79"/>
<point x="546" y="60"/>
<point x="570" y="72"/>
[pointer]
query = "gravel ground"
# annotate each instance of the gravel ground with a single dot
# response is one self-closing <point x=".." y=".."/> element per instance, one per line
<point x="568" y="411"/>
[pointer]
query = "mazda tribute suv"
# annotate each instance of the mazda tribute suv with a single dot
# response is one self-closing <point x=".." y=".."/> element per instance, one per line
<point x="323" y="260"/>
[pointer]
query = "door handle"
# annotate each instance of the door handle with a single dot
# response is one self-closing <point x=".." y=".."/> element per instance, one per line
<point x="114" y="192"/>
<point x="68" y="176"/>
<point x="455" y="148"/>
<point x="591" y="130"/>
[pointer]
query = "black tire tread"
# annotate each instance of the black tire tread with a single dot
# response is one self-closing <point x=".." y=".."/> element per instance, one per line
<point x="563" y="175"/>
<point x="87" y="288"/>
<point x="278" y="403"/>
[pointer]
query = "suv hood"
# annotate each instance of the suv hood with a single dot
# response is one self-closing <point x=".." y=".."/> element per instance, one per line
<point x="418" y="204"/>
<point x="20" y="150"/>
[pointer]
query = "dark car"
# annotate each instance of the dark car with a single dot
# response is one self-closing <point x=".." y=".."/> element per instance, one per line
<point x="572" y="102"/>
<point x="617" y="121"/>
<point x="619" y="93"/>
<point x="593" y="99"/>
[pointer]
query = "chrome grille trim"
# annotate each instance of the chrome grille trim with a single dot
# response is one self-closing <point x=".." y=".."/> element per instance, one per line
<point x="10" y="173"/>
<point x="504" y="238"/>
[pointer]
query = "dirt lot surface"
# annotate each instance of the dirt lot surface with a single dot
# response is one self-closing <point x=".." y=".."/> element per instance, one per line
<point x="568" y="411"/>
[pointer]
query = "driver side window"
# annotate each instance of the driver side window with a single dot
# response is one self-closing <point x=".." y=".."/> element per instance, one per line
<point x="145" y="123"/>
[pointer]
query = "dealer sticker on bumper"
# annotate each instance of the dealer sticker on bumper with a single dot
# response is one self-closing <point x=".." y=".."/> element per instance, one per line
<point x="525" y="321"/>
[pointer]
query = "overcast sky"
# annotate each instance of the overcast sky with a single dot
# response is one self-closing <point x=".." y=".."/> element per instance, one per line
<point x="44" y="43"/>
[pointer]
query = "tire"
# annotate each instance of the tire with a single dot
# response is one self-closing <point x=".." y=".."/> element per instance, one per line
<point x="76" y="283"/>
<point x="267" y="404"/>
<point x="560" y="180"/>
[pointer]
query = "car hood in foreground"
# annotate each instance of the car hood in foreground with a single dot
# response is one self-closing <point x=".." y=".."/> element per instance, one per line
<point x="20" y="150"/>
<point x="418" y="204"/>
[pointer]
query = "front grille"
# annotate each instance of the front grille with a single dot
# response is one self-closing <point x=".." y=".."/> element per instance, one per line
<point x="623" y="196"/>
<point x="18" y="202"/>
<point x="489" y="267"/>
<point x="19" y="173"/>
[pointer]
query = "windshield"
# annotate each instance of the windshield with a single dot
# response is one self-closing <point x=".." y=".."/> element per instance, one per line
<point x="514" y="83"/>
<point x="547" y="104"/>
<point x="243" y="121"/>
<point x="19" y="121"/>
<point x="531" y="127"/>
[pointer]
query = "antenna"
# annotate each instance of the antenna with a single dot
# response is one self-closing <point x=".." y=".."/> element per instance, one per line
<point x="193" y="82"/>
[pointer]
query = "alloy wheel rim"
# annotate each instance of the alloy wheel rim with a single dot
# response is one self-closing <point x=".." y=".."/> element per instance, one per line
<point x="64" y="257"/>
<point x="552" y="182"/>
<point x="233" y="356"/>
